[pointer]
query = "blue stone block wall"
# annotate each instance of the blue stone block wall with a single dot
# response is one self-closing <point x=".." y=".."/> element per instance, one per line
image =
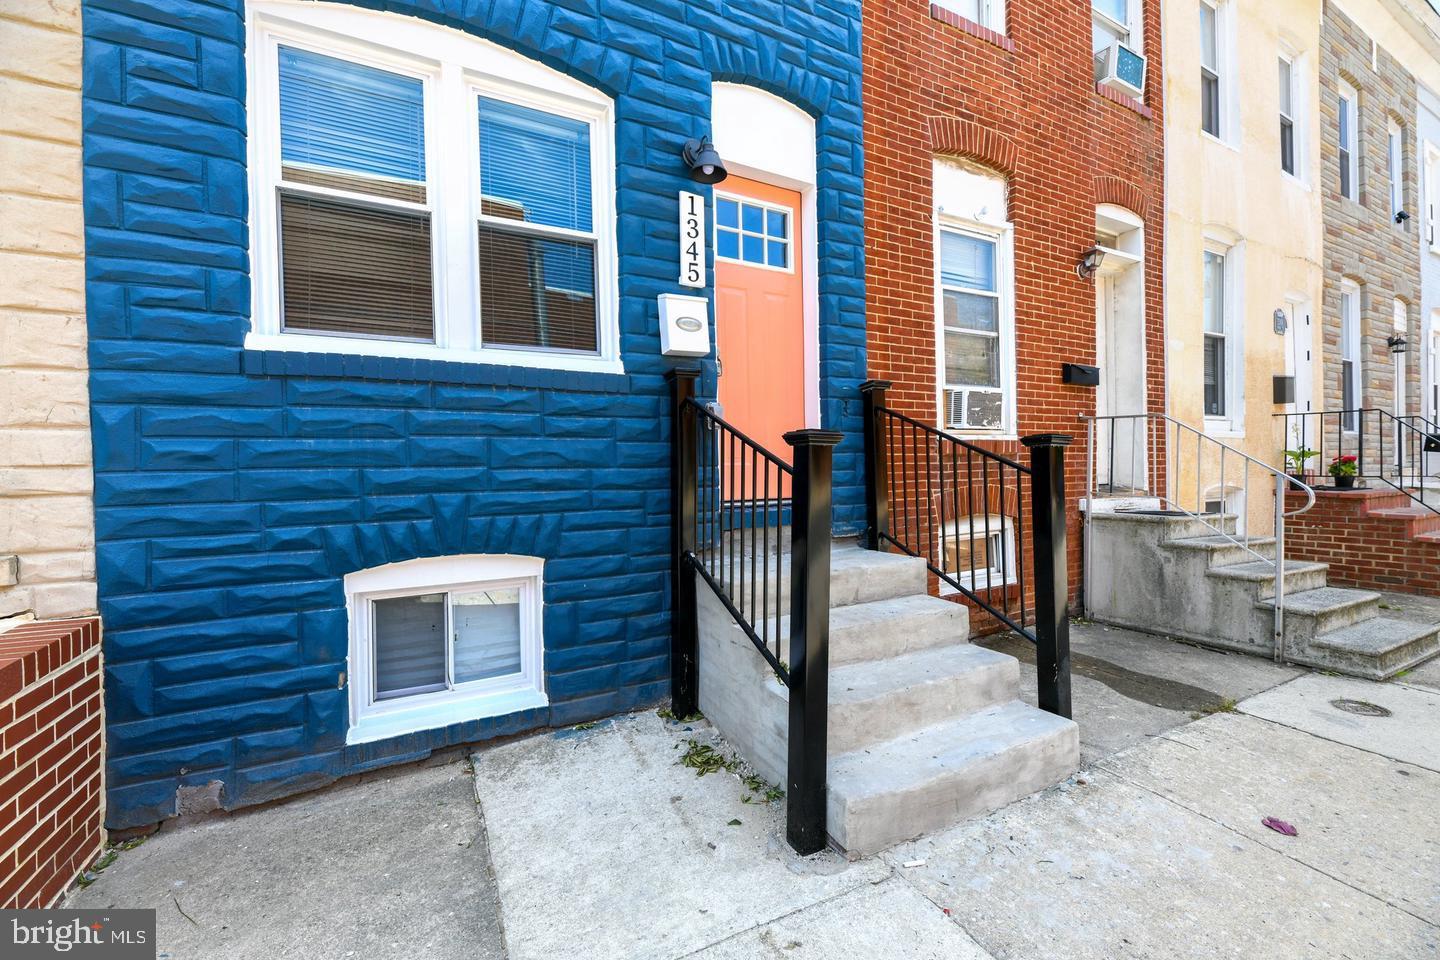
<point x="235" y="489"/>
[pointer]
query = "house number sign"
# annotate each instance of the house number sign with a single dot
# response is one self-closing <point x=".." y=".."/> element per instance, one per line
<point x="692" y="240"/>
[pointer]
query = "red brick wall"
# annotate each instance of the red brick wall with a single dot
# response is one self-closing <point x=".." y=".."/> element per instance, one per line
<point x="1025" y="105"/>
<point x="51" y="751"/>
<point x="1366" y="548"/>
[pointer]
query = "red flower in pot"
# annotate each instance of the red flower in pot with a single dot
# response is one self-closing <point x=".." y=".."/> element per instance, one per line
<point x="1343" y="471"/>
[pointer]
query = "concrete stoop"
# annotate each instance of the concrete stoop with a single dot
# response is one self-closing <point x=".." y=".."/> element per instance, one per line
<point x="1171" y="574"/>
<point x="925" y="730"/>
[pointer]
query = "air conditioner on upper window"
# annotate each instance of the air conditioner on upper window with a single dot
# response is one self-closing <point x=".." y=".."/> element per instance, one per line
<point x="1120" y="68"/>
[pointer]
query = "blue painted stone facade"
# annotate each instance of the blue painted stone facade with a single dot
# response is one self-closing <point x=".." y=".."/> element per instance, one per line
<point x="235" y="489"/>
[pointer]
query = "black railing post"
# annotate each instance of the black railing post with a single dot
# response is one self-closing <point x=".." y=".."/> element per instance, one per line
<point x="684" y="627"/>
<point x="813" y="453"/>
<point x="877" y="471"/>
<point x="1052" y="586"/>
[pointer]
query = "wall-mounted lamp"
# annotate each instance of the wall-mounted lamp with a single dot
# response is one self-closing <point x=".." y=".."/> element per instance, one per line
<point x="703" y="160"/>
<point x="1397" y="344"/>
<point x="1089" y="264"/>
<point x="1401" y="216"/>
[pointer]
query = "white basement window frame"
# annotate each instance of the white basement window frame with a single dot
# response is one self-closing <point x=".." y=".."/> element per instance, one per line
<point x="377" y="714"/>
<point x="457" y="72"/>
<point x="987" y="536"/>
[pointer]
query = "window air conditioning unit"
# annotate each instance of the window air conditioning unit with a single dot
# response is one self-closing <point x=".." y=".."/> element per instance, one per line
<point x="1121" y="69"/>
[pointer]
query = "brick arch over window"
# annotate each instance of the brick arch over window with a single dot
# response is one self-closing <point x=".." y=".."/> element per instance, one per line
<point x="953" y="137"/>
<point x="1121" y="193"/>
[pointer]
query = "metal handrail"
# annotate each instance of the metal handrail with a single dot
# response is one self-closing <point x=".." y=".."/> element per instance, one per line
<point x="1406" y="455"/>
<point x="1163" y="451"/>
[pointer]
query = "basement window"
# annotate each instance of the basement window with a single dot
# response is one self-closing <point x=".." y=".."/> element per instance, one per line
<point x="979" y="552"/>
<point x="443" y="640"/>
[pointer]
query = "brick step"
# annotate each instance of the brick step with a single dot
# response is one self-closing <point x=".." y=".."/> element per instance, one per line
<point x="1416" y="519"/>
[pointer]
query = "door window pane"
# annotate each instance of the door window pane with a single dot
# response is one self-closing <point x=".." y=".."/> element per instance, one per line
<point x="409" y="635"/>
<point x="487" y="634"/>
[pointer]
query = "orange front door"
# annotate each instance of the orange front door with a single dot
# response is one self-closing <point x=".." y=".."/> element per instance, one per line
<point x="759" y="311"/>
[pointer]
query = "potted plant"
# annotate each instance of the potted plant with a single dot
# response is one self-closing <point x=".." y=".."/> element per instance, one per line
<point x="1343" y="470"/>
<point x="1295" y="461"/>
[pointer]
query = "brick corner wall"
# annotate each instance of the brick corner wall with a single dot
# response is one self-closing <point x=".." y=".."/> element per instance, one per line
<point x="1372" y="540"/>
<point x="51" y="756"/>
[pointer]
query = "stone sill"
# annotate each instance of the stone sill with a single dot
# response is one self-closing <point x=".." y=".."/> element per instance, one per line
<point x="1129" y="103"/>
<point x="972" y="28"/>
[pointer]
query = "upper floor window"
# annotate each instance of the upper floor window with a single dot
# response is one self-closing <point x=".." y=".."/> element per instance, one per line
<point x="1287" y="115"/>
<point x="1395" y="157"/>
<point x="987" y="13"/>
<point x="418" y="192"/>
<point x="1115" y="20"/>
<point x="975" y="326"/>
<point x="1431" y="184"/>
<point x="1348" y="130"/>
<point x="1211" y="94"/>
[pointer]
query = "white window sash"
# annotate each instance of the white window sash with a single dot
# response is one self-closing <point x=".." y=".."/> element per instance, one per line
<point x="1003" y="240"/>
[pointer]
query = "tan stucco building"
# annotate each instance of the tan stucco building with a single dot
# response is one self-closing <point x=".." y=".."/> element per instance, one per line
<point x="47" y="538"/>
<point x="1243" y="233"/>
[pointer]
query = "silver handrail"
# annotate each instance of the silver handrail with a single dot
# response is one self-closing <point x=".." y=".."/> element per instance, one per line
<point x="1153" y="430"/>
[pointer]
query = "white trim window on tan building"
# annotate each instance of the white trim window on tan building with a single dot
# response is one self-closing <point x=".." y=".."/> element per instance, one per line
<point x="1224" y="348"/>
<point x="417" y="192"/>
<point x="443" y="640"/>
<point x="974" y="301"/>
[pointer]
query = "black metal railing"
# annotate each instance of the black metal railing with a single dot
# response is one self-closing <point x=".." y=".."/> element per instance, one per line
<point x="756" y="530"/>
<point x="1400" y="452"/>
<point x="991" y="528"/>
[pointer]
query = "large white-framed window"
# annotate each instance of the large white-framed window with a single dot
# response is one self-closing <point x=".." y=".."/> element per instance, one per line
<point x="1215" y="60"/>
<point x="442" y="640"/>
<point x="987" y="13"/>
<point x="975" y="301"/>
<point x="417" y="192"/>
<point x="1351" y="358"/>
<point x="1431" y="185"/>
<point x="1395" y="166"/>
<point x="1348" y="131"/>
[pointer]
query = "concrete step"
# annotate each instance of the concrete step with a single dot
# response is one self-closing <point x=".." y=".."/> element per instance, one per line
<point x="880" y="629"/>
<point x="1223" y="551"/>
<point x="926" y="781"/>
<point x="877" y="700"/>
<point x="1377" y="649"/>
<point x="1300" y="575"/>
<point x="856" y="575"/>
<point x="1310" y="613"/>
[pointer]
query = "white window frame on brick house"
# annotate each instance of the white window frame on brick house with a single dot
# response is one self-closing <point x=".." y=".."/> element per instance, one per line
<point x="999" y="532"/>
<point x="987" y="13"/>
<point x="1230" y="420"/>
<point x="1348" y="133"/>
<point x="377" y="719"/>
<point x="1395" y="165"/>
<point x="456" y="70"/>
<point x="1352" y="357"/>
<point x="971" y="200"/>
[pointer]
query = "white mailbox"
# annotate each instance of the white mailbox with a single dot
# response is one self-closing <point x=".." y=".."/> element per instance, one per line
<point x="684" y="325"/>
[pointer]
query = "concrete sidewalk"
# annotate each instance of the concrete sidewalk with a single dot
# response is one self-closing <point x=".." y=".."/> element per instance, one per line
<point x="602" y="844"/>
